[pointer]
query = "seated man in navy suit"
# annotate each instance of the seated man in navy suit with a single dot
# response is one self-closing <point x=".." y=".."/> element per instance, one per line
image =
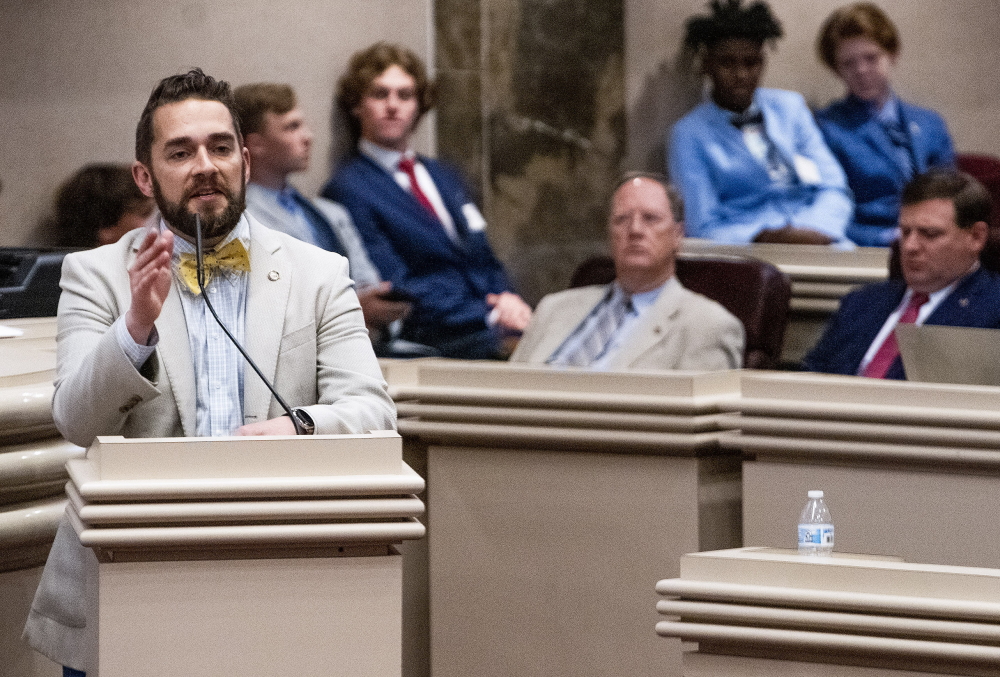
<point x="421" y="229"/>
<point x="943" y="228"/>
<point x="279" y="141"/>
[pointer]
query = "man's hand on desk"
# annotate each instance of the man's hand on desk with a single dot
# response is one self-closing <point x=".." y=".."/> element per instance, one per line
<point x="149" y="282"/>
<point x="793" y="235"/>
<point x="274" y="426"/>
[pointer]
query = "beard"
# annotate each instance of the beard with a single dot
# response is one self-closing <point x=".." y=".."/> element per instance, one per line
<point x="213" y="226"/>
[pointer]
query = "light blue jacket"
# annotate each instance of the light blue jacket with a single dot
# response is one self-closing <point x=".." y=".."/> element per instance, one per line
<point x="729" y="196"/>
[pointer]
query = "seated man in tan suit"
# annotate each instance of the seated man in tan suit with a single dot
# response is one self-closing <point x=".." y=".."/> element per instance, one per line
<point x="645" y="319"/>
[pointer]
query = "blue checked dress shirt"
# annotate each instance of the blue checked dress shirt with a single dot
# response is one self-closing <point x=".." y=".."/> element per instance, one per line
<point x="218" y="365"/>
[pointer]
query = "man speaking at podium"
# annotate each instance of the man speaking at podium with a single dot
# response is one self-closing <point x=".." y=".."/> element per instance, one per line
<point x="139" y="354"/>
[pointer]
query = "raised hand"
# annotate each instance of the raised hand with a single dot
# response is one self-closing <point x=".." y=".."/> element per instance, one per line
<point x="149" y="281"/>
<point x="281" y="425"/>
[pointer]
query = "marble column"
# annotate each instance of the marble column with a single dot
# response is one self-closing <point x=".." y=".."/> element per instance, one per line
<point x="532" y="108"/>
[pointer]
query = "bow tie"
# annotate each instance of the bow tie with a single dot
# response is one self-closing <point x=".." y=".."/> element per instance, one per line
<point x="233" y="257"/>
<point x="741" y="120"/>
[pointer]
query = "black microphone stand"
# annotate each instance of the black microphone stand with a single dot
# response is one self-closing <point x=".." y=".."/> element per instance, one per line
<point x="199" y="261"/>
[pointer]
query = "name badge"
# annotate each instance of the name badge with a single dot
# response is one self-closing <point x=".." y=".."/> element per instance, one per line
<point x="473" y="218"/>
<point x="807" y="170"/>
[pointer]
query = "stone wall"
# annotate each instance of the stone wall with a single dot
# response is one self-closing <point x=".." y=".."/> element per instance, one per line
<point x="532" y="109"/>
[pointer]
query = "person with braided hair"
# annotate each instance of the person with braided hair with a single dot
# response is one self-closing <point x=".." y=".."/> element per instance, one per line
<point x="751" y="162"/>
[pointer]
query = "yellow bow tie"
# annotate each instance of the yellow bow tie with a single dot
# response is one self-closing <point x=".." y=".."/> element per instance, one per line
<point x="233" y="256"/>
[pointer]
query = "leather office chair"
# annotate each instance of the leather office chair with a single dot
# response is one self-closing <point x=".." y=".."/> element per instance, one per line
<point x="754" y="291"/>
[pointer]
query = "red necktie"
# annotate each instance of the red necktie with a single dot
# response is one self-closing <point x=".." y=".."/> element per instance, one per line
<point x="406" y="166"/>
<point x="889" y="350"/>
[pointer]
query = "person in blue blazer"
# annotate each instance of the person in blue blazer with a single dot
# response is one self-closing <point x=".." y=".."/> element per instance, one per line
<point x="751" y="162"/>
<point x="943" y="229"/>
<point x="421" y="229"/>
<point x="881" y="141"/>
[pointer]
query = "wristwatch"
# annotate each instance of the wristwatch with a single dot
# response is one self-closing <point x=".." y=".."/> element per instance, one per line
<point x="305" y="422"/>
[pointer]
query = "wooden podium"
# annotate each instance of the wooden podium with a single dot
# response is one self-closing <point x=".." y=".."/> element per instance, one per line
<point x="268" y="556"/>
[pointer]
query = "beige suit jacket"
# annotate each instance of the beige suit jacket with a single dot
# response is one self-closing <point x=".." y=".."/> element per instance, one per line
<point x="304" y="329"/>
<point x="682" y="330"/>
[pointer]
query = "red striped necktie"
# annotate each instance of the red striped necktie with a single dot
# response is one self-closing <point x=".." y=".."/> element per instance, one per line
<point x="889" y="350"/>
<point x="406" y="166"/>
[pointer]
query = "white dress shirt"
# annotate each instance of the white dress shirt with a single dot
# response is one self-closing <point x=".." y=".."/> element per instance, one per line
<point x="933" y="301"/>
<point x="389" y="161"/>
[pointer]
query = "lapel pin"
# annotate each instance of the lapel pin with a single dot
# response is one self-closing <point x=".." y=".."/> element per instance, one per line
<point x="963" y="302"/>
<point x="273" y="276"/>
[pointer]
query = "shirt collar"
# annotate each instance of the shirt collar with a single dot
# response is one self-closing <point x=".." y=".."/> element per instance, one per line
<point x="935" y="296"/>
<point x="241" y="231"/>
<point x="281" y="197"/>
<point x="889" y="112"/>
<point x="644" y="300"/>
<point x="386" y="158"/>
<point x="754" y="106"/>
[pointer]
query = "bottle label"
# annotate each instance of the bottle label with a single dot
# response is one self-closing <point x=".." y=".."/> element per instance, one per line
<point x="815" y="534"/>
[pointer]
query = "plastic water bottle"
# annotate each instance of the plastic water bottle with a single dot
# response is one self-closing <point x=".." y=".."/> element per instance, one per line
<point x="815" y="526"/>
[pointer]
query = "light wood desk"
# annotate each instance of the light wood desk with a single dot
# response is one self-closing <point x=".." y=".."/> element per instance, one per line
<point x="554" y="497"/>
<point x="759" y="611"/>
<point x="32" y="475"/>
<point x="909" y="469"/>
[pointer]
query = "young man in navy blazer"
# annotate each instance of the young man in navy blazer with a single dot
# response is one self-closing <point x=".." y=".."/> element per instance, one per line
<point x="943" y="229"/>
<point x="421" y="229"/>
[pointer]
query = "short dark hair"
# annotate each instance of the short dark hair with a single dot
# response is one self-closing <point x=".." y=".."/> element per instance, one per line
<point x="366" y="65"/>
<point x="860" y="20"/>
<point x="191" y="85"/>
<point x="731" y="19"/>
<point x="253" y="102"/>
<point x="95" y="197"/>
<point x="673" y="195"/>
<point x="971" y="199"/>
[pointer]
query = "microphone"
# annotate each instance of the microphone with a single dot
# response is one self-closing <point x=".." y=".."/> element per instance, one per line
<point x="299" y="423"/>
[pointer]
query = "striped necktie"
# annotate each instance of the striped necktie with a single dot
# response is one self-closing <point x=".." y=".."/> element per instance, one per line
<point x="606" y="324"/>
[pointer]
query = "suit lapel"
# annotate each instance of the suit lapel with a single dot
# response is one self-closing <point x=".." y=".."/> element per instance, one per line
<point x="175" y="359"/>
<point x="174" y="351"/>
<point x="956" y="308"/>
<point x="876" y="136"/>
<point x="267" y="298"/>
<point x="918" y="140"/>
<point x="404" y="201"/>
<point x="651" y="328"/>
<point x="567" y="318"/>
<point x="453" y="199"/>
